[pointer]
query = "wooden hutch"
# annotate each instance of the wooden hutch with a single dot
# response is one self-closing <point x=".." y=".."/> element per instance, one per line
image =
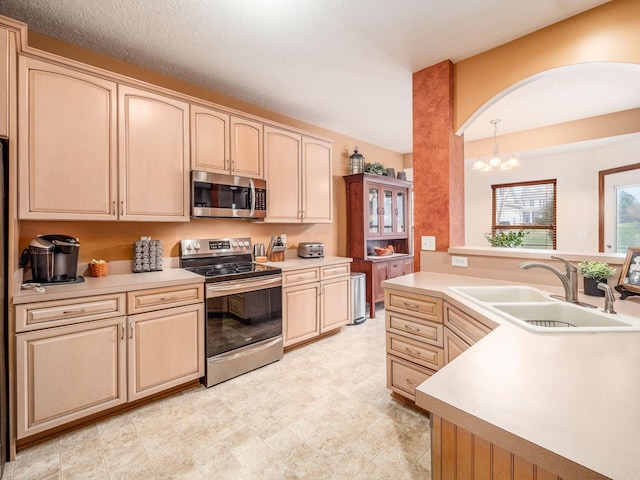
<point x="378" y="215"/>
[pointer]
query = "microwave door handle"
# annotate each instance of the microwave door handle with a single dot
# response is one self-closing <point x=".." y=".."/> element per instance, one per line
<point x="252" y="200"/>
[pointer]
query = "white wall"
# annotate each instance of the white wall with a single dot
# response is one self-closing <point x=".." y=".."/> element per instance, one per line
<point x="577" y="192"/>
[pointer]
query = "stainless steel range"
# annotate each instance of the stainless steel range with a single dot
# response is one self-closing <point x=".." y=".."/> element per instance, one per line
<point x="243" y="329"/>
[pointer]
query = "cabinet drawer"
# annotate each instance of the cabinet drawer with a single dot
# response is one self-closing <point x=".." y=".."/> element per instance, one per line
<point x="331" y="271"/>
<point x="158" y="298"/>
<point x="417" y="328"/>
<point x="33" y="316"/>
<point x="396" y="268"/>
<point x="297" y="277"/>
<point x="415" y="351"/>
<point x="467" y="328"/>
<point x="423" y="306"/>
<point x="403" y="377"/>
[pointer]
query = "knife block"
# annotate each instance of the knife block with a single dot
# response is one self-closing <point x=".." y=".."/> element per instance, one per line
<point x="276" y="257"/>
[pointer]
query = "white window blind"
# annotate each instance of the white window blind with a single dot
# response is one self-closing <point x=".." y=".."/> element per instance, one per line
<point x="528" y="206"/>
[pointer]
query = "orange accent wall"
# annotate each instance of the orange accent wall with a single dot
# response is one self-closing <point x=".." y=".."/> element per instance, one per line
<point x="438" y="160"/>
<point x="608" y="33"/>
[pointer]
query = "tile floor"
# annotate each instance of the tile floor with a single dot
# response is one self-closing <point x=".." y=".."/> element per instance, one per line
<point x="322" y="412"/>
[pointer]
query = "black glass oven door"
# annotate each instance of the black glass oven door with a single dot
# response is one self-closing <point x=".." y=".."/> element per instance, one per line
<point x="238" y="319"/>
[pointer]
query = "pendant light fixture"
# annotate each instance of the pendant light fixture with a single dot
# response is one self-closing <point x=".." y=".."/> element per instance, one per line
<point x="497" y="161"/>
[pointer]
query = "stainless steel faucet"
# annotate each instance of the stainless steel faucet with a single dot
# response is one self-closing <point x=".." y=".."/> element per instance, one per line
<point x="608" y="298"/>
<point x="569" y="278"/>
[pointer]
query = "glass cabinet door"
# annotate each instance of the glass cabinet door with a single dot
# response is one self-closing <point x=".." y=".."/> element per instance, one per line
<point x="388" y="211"/>
<point x="401" y="208"/>
<point x="374" y="211"/>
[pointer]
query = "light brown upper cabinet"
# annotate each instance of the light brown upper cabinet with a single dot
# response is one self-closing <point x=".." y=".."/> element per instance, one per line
<point x="153" y="132"/>
<point x="90" y="149"/>
<point x="67" y="146"/>
<point x="246" y="148"/>
<point x="222" y="143"/>
<point x="7" y="70"/>
<point x="298" y="174"/>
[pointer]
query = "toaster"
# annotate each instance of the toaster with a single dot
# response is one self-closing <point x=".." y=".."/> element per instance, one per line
<point x="310" y="249"/>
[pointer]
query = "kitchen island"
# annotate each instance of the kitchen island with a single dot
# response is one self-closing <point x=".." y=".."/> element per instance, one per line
<point x="566" y="403"/>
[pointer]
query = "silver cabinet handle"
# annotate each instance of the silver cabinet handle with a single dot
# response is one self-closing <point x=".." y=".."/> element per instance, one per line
<point x="410" y="328"/>
<point x="113" y="208"/>
<point x="122" y="333"/>
<point x="412" y="352"/>
<point x="71" y="312"/>
<point x="412" y="383"/>
<point x="168" y="299"/>
<point x="121" y="207"/>
<point x="411" y="305"/>
<point x="130" y="330"/>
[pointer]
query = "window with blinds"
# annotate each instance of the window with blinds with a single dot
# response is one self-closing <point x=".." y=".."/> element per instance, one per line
<point x="527" y="206"/>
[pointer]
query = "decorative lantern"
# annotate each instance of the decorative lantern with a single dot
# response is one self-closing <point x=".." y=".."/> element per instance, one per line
<point x="356" y="162"/>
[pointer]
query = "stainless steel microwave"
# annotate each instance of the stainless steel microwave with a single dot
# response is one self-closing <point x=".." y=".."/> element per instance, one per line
<point x="227" y="196"/>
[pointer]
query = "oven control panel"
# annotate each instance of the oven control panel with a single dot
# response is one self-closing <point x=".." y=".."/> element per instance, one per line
<point x="214" y="247"/>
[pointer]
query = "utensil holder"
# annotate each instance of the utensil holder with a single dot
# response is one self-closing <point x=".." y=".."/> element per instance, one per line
<point x="276" y="257"/>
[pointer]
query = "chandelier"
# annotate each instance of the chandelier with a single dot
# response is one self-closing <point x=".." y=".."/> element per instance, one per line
<point x="498" y="161"/>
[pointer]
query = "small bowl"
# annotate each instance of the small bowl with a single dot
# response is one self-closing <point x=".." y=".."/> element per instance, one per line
<point x="261" y="258"/>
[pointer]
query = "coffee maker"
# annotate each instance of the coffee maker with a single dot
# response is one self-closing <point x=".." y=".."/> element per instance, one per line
<point x="54" y="258"/>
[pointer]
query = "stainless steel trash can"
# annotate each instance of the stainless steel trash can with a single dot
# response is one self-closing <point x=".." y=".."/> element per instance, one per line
<point x="358" y="303"/>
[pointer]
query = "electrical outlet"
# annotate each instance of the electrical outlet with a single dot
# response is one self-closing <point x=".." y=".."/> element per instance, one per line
<point x="428" y="243"/>
<point x="459" y="261"/>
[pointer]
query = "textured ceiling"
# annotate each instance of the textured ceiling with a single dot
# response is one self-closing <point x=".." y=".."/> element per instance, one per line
<point x="344" y="65"/>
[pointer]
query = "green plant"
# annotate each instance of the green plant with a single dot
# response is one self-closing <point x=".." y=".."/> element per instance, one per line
<point x="596" y="270"/>
<point x="506" y="240"/>
<point x="376" y="168"/>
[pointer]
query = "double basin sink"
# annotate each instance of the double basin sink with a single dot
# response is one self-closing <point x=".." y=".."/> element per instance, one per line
<point x="536" y="311"/>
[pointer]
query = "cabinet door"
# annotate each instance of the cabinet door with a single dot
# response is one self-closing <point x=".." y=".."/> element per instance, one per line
<point x="380" y="273"/>
<point x="300" y="313"/>
<point x="453" y="345"/>
<point x="282" y="151"/>
<point x="154" y="157"/>
<point x="7" y="70"/>
<point x="400" y="211"/>
<point x="67" y="145"/>
<point x="388" y="211"/>
<point x="67" y="373"/>
<point x="317" y="181"/>
<point x="335" y="309"/>
<point x="407" y="266"/>
<point x="246" y="148"/>
<point x="209" y="140"/>
<point x="374" y="209"/>
<point x="166" y="349"/>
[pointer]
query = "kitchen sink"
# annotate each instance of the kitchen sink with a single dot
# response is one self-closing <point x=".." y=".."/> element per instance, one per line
<point x="560" y="317"/>
<point x="536" y="311"/>
<point x="503" y="294"/>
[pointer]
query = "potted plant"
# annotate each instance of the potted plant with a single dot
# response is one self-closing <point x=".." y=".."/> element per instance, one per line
<point x="594" y="273"/>
<point x="510" y="239"/>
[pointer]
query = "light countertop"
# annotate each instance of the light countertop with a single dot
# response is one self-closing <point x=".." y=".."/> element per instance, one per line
<point x="110" y="284"/>
<point x="576" y="395"/>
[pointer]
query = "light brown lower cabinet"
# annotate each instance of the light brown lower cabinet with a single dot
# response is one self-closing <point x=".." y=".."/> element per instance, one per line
<point x="67" y="372"/>
<point x="314" y="301"/>
<point x="165" y="349"/>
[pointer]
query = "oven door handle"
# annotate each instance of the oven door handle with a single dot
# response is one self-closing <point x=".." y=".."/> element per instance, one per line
<point x="242" y="286"/>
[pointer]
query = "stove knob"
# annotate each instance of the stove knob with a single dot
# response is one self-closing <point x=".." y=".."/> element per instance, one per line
<point x="247" y="243"/>
<point x="197" y="246"/>
<point x="234" y="244"/>
<point x="188" y="247"/>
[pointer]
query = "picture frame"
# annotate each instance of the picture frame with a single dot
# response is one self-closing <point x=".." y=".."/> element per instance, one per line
<point x="630" y="275"/>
